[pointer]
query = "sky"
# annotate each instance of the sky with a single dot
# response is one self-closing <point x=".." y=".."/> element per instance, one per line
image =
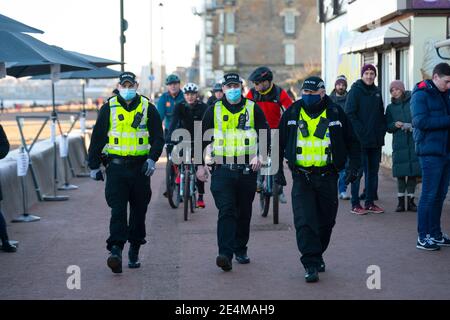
<point x="93" y="27"/>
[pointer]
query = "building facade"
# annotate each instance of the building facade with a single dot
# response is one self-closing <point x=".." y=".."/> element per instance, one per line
<point x="242" y="35"/>
<point x="397" y="36"/>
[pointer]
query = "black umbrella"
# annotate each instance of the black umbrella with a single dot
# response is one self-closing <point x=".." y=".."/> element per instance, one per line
<point x="100" y="73"/>
<point x="27" y="56"/>
<point x="8" y="24"/>
<point x="96" y="61"/>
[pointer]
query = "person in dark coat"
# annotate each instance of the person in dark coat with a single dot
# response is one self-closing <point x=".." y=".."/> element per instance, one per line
<point x="365" y="110"/>
<point x="405" y="164"/>
<point x="430" y="109"/>
<point x="339" y="96"/>
<point x="4" y="149"/>
<point x="217" y="94"/>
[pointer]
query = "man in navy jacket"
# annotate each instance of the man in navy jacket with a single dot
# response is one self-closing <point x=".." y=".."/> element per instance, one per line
<point x="430" y="108"/>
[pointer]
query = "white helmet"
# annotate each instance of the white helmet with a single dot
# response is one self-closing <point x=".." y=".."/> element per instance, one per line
<point x="190" y="88"/>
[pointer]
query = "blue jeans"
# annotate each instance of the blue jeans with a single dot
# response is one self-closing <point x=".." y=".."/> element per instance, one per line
<point x="371" y="159"/>
<point x="435" y="182"/>
<point x="341" y="182"/>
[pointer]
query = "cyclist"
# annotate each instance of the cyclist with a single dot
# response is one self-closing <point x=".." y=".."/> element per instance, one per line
<point x="184" y="116"/>
<point x="273" y="101"/>
<point x="169" y="99"/>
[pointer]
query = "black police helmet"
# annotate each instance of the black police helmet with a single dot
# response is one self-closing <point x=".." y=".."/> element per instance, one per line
<point x="261" y="74"/>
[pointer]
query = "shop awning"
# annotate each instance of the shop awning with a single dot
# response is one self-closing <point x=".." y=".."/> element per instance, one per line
<point x="391" y="35"/>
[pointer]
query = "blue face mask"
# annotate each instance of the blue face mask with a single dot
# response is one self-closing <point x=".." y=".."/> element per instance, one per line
<point x="128" y="94"/>
<point x="233" y="95"/>
<point x="311" y="99"/>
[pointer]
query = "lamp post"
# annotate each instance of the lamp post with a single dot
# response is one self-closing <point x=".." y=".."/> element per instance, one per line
<point x="161" y="6"/>
<point x="151" y="77"/>
<point x="123" y="28"/>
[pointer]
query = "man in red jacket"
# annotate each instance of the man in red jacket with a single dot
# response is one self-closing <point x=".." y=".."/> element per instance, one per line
<point x="273" y="101"/>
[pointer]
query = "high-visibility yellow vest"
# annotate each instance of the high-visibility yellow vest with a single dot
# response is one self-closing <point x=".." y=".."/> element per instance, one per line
<point x="313" y="151"/>
<point x="229" y="141"/>
<point x="123" y="139"/>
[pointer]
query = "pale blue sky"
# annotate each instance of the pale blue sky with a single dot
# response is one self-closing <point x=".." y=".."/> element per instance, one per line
<point x="92" y="27"/>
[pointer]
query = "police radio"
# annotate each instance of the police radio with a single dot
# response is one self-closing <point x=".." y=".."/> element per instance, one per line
<point x="137" y="120"/>
<point x="242" y="121"/>
<point x="303" y="127"/>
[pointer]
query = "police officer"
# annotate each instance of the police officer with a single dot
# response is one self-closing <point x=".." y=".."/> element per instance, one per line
<point x="235" y="122"/>
<point x="129" y="131"/>
<point x="316" y="139"/>
<point x="217" y="94"/>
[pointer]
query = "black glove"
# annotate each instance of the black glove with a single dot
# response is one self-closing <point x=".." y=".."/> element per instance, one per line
<point x="351" y="176"/>
<point x="280" y="179"/>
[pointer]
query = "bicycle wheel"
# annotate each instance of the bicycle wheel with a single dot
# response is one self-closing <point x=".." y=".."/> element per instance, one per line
<point x="171" y="187"/>
<point x="276" y="201"/>
<point x="264" y="199"/>
<point x="186" y="193"/>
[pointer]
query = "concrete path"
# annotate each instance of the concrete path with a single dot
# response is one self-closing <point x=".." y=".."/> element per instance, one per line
<point x="179" y="260"/>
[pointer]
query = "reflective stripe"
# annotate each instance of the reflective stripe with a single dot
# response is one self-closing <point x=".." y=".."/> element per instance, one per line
<point x="132" y="135"/>
<point x="128" y="148"/>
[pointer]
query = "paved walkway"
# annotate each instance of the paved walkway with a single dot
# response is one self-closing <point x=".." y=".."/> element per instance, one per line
<point x="179" y="259"/>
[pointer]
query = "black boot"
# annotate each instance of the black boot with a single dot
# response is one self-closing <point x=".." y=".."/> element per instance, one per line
<point x="115" y="259"/>
<point x="401" y="204"/>
<point x="133" y="256"/>
<point x="8" y="247"/>
<point x="411" y="205"/>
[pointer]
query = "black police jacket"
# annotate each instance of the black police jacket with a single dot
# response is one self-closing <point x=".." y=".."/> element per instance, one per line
<point x="4" y="149"/>
<point x="344" y="144"/>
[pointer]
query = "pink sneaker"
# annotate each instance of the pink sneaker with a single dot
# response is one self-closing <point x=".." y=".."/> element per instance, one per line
<point x="360" y="211"/>
<point x="374" y="209"/>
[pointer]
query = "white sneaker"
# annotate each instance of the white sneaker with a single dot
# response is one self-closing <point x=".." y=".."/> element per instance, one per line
<point x="282" y="198"/>
<point x="344" y="196"/>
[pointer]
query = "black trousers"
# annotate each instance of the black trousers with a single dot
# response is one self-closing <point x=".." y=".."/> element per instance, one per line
<point x="315" y="205"/>
<point x="233" y="193"/>
<point x="3" y="233"/>
<point x="127" y="184"/>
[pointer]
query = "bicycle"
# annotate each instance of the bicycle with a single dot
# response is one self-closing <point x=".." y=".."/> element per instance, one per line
<point x="269" y="189"/>
<point x="188" y="189"/>
<point x="172" y="187"/>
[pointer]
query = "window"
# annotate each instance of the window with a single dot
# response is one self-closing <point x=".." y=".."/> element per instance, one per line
<point x="209" y="27"/>
<point x="221" y="23"/>
<point x="230" y="55"/>
<point x="289" y="22"/>
<point x="230" y="22"/>
<point x="289" y="54"/>
<point x="222" y="55"/>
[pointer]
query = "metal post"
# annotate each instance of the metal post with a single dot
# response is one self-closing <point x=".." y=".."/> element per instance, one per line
<point x="54" y="118"/>
<point x="25" y="217"/>
<point x="161" y="5"/>
<point x="151" y="50"/>
<point x="123" y="27"/>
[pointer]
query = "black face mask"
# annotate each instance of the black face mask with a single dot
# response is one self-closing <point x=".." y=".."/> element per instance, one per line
<point x="314" y="108"/>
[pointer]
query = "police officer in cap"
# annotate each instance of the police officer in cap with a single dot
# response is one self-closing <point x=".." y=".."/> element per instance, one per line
<point x="316" y="139"/>
<point x="236" y="123"/>
<point x="129" y="131"/>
